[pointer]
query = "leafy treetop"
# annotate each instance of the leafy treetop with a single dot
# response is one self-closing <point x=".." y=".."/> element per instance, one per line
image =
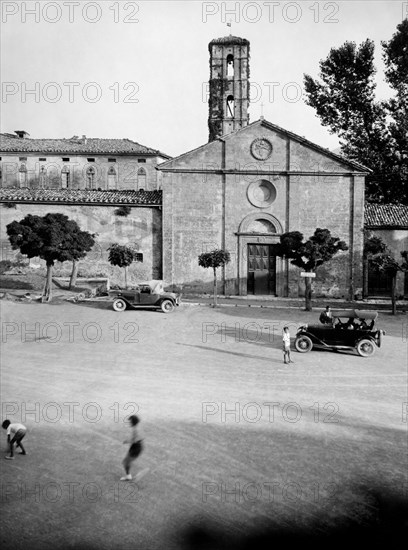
<point x="308" y="255"/>
<point x="53" y="237"/>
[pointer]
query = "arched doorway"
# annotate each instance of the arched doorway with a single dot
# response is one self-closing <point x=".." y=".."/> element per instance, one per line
<point x="260" y="270"/>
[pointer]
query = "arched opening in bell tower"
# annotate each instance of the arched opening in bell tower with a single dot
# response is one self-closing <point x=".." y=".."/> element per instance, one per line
<point x="230" y="106"/>
<point x="230" y="66"/>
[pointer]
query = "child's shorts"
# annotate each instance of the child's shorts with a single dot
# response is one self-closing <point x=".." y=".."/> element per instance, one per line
<point x="135" y="449"/>
<point x="286" y="347"/>
<point x="18" y="436"/>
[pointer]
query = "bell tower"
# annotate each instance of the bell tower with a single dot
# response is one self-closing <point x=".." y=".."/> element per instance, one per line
<point x="229" y="85"/>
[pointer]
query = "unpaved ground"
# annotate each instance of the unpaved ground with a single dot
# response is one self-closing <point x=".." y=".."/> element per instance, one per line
<point x="233" y="438"/>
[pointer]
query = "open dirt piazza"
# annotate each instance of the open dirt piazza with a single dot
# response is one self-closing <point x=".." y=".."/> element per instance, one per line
<point x="234" y="439"/>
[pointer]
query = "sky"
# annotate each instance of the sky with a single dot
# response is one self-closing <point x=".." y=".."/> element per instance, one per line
<point x="139" y="70"/>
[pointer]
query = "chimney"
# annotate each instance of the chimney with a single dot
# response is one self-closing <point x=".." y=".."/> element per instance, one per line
<point x="21" y="133"/>
<point x="84" y="140"/>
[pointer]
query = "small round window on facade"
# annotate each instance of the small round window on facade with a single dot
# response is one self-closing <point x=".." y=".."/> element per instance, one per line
<point x="261" y="193"/>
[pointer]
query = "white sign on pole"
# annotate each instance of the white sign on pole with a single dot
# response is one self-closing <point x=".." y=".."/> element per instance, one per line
<point x="307" y="274"/>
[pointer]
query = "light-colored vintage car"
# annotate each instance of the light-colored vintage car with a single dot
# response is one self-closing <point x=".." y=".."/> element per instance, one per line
<point x="146" y="295"/>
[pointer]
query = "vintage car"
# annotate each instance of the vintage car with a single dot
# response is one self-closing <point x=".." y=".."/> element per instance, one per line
<point x="148" y="295"/>
<point x="351" y="330"/>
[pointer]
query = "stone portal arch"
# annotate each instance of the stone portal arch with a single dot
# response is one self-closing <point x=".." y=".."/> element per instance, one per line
<point x="260" y="271"/>
<point x="262" y="219"/>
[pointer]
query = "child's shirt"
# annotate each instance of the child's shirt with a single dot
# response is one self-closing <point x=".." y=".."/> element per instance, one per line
<point x="135" y="435"/>
<point x="13" y="428"/>
<point x="286" y="337"/>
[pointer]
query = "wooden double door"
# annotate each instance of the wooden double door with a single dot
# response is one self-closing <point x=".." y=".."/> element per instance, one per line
<point x="261" y="269"/>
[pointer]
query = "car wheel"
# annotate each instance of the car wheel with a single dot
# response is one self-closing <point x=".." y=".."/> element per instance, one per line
<point x="167" y="306"/>
<point x="365" y="348"/>
<point x="119" y="305"/>
<point x="303" y="344"/>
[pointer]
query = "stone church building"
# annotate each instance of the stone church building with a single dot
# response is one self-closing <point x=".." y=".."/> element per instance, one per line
<point x="240" y="191"/>
<point x="249" y="184"/>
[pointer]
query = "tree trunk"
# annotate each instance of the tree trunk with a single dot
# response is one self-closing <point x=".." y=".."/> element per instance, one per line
<point x="74" y="274"/>
<point x="47" y="292"/>
<point x="365" y="278"/>
<point x="393" y="292"/>
<point x="308" y="294"/>
<point x="126" y="277"/>
<point x="215" y="288"/>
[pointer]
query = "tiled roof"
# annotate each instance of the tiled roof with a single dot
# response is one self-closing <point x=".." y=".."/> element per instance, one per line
<point x="80" y="196"/>
<point x="12" y="143"/>
<point x="230" y="40"/>
<point x="386" y="215"/>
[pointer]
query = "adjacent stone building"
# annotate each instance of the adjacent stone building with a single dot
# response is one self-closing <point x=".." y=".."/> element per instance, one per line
<point x="78" y="163"/>
<point x="88" y="180"/>
<point x="390" y="223"/>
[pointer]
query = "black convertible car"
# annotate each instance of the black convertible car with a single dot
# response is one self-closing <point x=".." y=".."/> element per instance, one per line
<point x="351" y="330"/>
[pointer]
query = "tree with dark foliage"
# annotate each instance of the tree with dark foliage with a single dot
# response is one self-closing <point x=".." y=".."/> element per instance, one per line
<point x="373" y="133"/>
<point x="309" y="255"/>
<point x="214" y="259"/>
<point x="53" y="238"/>
<point x="122" y="256"/>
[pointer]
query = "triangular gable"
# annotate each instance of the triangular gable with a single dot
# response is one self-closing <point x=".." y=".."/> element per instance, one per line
<point x="318" y="148"/>
<point x="207" y="156"/>
<point x="201" y="157"/>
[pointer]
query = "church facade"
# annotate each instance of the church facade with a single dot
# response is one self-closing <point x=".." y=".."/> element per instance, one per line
<point x="249" y="184"/>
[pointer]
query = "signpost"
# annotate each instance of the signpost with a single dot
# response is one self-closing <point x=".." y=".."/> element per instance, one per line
<point x="307" y="274"/>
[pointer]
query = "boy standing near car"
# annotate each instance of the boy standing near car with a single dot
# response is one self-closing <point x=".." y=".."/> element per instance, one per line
<point x="286" y="345"/>
<point x="15" y="434"/>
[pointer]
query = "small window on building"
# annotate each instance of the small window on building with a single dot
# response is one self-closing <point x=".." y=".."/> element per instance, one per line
<point x="22" y="175"/>
<point x="141" y="179"/>
<point x="111" y="178"/>
<point x="230" y="65"/>
<point x="90" y="177"/>
<point x="42" y="159"/>
<point x="141" y="160"/>
<point x="43" y="177"/>
<point x="90" y="160"/>
<point x="230" y="106"/>
<point x="22" y="159"/>
<point x="65" y="159"/>
<point x="111" y="160"/>
<point x="138" y="257"/>
<point x="65" y="178"/>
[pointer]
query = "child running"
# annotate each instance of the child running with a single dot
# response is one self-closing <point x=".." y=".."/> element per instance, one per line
<point x="15" y="434"/>
<point x="135" y="447"/>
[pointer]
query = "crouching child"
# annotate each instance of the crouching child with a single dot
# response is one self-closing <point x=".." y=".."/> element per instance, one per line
<point x="15" y="434"/>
